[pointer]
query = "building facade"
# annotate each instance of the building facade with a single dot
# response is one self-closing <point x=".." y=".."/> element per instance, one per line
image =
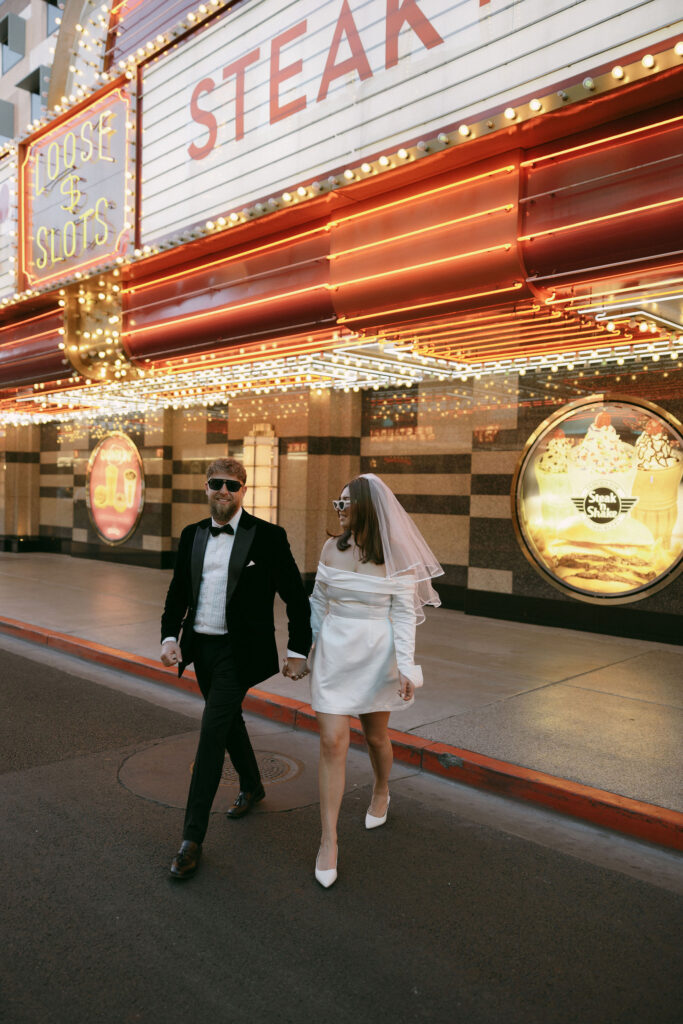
<point x="392" y="237"/>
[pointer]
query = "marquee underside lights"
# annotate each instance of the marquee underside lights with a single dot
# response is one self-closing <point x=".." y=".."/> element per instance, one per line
<point x="346" y="362"/>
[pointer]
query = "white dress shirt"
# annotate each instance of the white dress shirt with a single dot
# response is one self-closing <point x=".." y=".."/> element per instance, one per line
<point x="210" y="616"/>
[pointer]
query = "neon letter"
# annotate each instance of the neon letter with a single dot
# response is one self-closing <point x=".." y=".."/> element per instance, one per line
<point x="53" y="258"/>
<point x="41" y="233"/>
<point x="279" y="75"/>
<point x="52" y="161"/>
<point x="100" y="239"/>
<point x="69" y="246"/>
<point x="399" y="11"/>
<point x="237" y="68"/>
<point x="86" y="155"/>
<point x="104" y="133"/>
<point x="69" y="187"/>
<point x="204" y="117"/>
<point x="69" y="144"/>
<point x="85" y="217"/>
<point x="358" y="61"/>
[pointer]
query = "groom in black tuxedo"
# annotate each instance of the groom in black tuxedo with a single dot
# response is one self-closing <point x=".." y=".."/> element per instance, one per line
<point x="219" y="615"/>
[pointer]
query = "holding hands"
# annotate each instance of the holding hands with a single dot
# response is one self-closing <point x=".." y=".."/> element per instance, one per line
<point x="295" y="668"/>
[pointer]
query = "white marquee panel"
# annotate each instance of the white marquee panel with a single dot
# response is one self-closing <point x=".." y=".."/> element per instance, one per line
<point x="489" y="56"/>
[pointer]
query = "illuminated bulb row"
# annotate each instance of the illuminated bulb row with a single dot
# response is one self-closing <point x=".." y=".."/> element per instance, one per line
<point x="349" y="175"/>
<point x="385" y="162"/>
<point x="119" y="398"/>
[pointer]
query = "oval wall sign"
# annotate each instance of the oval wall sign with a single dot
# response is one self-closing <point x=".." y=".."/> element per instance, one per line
<point x="115" y="488"/>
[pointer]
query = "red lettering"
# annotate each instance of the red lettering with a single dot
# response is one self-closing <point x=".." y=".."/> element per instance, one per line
<point x="400" y="11"/>
<point x="204" y="117"/>
<point x="279" y="75"/>
<point x="237" y="68"/>
<point x="358" y="60"/>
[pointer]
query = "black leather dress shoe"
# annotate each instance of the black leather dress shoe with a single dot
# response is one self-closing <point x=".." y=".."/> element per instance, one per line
<point x="186" y="860"/>
<point x="245" y="801"/>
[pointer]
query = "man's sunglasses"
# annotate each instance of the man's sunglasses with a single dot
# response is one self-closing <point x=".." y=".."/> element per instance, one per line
<point x="342" y="504"/>
<point x="215" y="483"/>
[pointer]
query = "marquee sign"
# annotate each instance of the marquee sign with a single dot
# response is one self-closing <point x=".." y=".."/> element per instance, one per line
<point x="598" y="501"/>
<point x="77" y="211"/>
<point x="8" y="226"/>
<point x="265" y="97"/>
<point x="115" y="488"/>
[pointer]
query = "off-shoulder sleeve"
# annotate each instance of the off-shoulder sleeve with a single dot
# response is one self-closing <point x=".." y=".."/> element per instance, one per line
<point x="319" y="602"/>
<point x="403" y="621"/>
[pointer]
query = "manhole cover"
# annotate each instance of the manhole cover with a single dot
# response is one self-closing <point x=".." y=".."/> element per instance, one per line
<point x="273" y="767"/>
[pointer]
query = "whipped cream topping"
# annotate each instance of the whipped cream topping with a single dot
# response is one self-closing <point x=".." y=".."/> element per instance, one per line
<point x="602" y="451"/>
<point x="654" y="451"/>
<point x="555" y="459"/>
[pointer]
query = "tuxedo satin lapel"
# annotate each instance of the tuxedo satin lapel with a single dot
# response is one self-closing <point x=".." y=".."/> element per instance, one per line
<point x="197" y="559"/>
<point x="244" y="537"/>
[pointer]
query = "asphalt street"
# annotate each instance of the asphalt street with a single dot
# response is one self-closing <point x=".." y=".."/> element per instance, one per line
<point x="463" y="908"/>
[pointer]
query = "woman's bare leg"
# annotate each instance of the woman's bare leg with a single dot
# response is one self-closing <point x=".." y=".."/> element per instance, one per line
<point x="375" y="727"/>
<point x="334" y="745"/>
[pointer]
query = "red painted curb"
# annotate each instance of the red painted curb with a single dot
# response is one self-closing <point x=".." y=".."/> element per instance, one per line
<point x="621" y="814"/>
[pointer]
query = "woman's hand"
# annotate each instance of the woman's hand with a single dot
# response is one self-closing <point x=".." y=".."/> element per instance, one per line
<point x="295" y="668"/>
<point x="406" y="688"/>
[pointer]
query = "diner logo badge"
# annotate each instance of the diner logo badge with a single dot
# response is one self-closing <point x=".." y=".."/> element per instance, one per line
<point x="604" y="504"/>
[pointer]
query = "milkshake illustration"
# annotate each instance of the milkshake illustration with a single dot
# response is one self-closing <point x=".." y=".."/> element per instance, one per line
<point x="130" y="480"/>
<point x="657" y="479"/>
<point x="602" y="456"/>
<point x="111" y="479"/>
<point x="553" y="481"/>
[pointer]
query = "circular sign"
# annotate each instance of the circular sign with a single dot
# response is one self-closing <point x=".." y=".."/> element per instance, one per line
<point x="115" y="488"/>
<point x="597" y="501"/>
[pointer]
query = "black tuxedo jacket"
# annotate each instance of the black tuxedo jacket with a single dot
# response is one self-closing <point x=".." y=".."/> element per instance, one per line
<point x="261" y="565"/>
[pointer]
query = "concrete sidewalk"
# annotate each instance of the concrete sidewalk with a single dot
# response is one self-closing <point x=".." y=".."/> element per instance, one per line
<point x="523" y="709"/>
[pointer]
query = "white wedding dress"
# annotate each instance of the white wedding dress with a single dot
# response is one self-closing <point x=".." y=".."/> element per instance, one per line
<point x="363" y="631"/>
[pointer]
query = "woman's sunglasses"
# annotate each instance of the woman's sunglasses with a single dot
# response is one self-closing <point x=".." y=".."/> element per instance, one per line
<point x="215" y="483"/>
<point x="342" y="504"/>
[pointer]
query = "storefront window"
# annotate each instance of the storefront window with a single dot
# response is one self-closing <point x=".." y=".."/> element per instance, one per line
<point x="598" y="502"/>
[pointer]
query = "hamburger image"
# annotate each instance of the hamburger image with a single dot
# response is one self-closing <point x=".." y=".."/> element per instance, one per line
<point x="621" y="558"/>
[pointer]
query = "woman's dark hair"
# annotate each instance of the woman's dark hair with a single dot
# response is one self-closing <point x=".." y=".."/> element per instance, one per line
<point x="364" y="524"/>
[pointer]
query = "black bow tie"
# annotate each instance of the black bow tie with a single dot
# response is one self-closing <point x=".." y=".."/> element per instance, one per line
<point x="215" y="530"/>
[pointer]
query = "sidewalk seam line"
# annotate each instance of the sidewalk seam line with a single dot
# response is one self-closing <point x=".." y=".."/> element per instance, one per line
<point x="624" y="696"/>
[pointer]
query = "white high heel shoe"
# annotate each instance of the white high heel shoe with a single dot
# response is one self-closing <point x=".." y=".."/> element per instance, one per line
<point x="327" y="877"/>
<point x="372" y="822"/>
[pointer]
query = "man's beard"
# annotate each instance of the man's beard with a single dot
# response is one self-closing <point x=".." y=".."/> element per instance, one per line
<point x="221" y="513"/>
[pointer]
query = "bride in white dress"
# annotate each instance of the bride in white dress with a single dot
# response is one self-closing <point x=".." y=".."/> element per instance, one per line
<point x="371" y="584"/>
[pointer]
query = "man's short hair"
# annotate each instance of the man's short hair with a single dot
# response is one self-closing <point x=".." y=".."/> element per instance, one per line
<point x="227" y="467"/>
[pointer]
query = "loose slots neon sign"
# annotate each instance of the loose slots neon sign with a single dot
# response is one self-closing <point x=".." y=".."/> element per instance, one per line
<point x="74" y="183"/>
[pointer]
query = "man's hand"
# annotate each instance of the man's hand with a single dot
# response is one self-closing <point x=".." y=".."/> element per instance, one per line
<point x="295" y="668"/>
<point x="170" y="653"/>
<point x="407" y="690"/>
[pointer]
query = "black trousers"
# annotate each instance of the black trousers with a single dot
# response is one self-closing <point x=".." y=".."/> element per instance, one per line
<point x="222" y="729"/>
